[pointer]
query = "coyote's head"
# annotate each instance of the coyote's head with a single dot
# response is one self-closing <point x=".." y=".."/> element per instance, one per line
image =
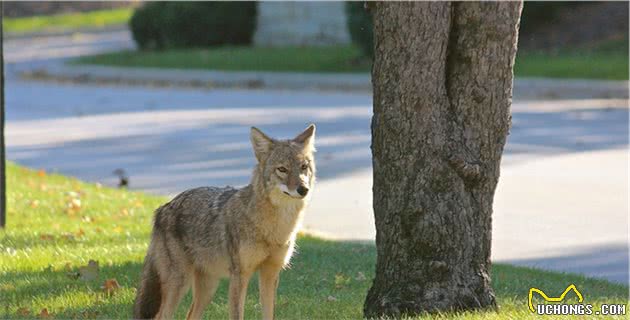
<point x="286" y="168"/>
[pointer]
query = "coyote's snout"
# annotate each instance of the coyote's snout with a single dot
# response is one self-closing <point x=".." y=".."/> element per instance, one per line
<point x="207" y="233"/>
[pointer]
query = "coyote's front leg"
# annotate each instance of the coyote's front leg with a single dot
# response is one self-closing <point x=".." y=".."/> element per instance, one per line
<point x="238" y="290"/>
<point x="268" y="276"/>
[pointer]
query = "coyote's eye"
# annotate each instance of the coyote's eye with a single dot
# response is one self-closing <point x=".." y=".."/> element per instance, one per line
<point x="304" y="167"/>
<point x="282" y="169"/>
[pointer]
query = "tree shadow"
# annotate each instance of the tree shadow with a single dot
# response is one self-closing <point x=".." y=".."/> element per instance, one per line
<point x="306" y="283"/>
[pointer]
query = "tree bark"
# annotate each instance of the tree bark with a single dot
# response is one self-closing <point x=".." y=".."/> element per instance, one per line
<point x="442" y="79"/>
<point x="3" y="178"/>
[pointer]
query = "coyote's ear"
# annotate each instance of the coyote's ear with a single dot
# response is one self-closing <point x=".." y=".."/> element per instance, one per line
<point x="307" y="138"/>
<point x="261" y="143"/>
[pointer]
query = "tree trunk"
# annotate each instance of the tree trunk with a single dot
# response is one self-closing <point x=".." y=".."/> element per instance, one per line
<point x="3" y="178"/>
<point x="442" y="80"/>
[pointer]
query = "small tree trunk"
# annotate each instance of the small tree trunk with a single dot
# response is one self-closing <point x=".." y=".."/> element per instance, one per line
<point x="442" y="80"/>
<point x="3" y="178"/>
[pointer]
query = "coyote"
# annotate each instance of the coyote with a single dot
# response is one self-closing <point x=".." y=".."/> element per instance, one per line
<point x="208" y="233"/>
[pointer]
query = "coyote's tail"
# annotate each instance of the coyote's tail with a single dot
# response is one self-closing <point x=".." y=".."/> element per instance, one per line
<point x="149" y="294"/>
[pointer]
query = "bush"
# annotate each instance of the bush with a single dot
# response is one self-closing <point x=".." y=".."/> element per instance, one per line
<point x="360" y="27"/>
<point x="536" y="14"/>
<point x="159" y="25"/>
<point x="145" y="25"/>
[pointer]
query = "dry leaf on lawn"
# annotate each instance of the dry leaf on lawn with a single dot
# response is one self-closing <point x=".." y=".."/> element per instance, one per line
<point x="44" y="314"/>
<point x="23" y="311"/>
<point x="46" y="237"/>
<point x="110" y="286"/>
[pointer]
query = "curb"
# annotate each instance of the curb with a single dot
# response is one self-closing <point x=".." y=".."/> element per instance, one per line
<point x="200" y="78"/>
<point x="532" y="88"/>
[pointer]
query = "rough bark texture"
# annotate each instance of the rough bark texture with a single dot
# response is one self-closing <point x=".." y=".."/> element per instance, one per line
<point x="442" y="80"/>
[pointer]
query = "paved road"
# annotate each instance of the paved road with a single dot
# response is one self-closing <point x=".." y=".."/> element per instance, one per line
<point x="562" y="201"/>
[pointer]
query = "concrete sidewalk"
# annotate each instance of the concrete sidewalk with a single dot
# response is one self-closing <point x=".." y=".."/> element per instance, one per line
<point x="526" y="88"/>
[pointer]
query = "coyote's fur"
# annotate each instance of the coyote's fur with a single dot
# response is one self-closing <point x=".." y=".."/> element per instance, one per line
<point x="208" y="233"/>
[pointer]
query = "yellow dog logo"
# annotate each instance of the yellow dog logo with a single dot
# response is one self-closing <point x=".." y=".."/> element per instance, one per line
<point x="552" y="299"/>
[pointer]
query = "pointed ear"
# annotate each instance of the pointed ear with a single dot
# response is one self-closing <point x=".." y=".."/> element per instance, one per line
<point x="307" y="138"/>
<point x="261" y="143"/>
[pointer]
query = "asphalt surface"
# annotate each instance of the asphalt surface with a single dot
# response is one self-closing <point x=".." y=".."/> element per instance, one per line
<point x="561" y="203"/>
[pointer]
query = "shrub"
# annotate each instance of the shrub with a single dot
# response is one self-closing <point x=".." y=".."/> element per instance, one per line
<point x="360" y="27"/>
<point x="536" y="14"/>
<point x="146" y="27"/>
<point x="158" y="25"/>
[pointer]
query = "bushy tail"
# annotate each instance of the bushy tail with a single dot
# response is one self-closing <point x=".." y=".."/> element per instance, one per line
<point x="149" y="294"/>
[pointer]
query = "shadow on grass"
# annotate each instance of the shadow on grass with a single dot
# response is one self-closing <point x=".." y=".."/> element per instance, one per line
<point x="320" y="269"/>
<point x="325" y="280"/>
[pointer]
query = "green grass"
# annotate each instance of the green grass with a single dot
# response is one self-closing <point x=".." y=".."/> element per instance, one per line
<point x="50" y="234"/>
<point x="607" y="61"/>
<point x="604" y="60"/>
<point x="289" y="59"/>
<point x="606" y="66"/>
<point x="68" y="21"/>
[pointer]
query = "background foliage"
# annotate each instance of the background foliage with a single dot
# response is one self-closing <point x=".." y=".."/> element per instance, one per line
<point x="161" y="25"/>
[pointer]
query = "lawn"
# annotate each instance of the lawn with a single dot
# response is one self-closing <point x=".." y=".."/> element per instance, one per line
<point x="603" y="62"/>
<point x="57" y="224"/>
<point x="287" y="59"/>
<point x="607" y="66"/>
<point x="68" y="21"/>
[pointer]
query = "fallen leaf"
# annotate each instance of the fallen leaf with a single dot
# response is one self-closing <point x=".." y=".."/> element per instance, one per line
<point x="46" y="237"/>
<point x="74" y="204"/>
<point x="110" y="286"/>
<point x="80" y="233"/>
<point x="34" y="204"/>
<point x="89" y="272"/>
<point x="23" y="311"/>
<point x="44" y="314"/>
